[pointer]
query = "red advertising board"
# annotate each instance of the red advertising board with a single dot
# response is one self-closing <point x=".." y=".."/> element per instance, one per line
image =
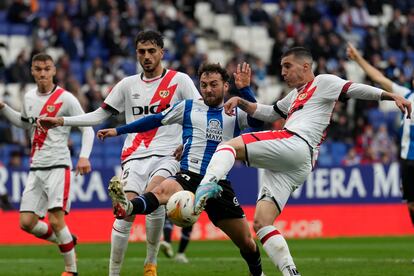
<point x="296" y="221"/>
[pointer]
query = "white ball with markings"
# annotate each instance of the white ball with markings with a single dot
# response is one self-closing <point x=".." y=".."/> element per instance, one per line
<point x="180" y="209"/>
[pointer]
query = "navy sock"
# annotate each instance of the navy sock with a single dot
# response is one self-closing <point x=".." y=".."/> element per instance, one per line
<point x="185" y="238"/>
<point x="254" y="261"/>
<point x="168" y="226"/>
<point x="145" y="204"/>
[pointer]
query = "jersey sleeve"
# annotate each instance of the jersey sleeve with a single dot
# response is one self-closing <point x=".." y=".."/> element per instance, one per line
<point x="400" y="90"/>
<point x="115" y="101"/>
<point x="187" y="88"/>
<point x="174" y="114"/>
<point x="332" y="87"/>
<point x="282" y="106"/>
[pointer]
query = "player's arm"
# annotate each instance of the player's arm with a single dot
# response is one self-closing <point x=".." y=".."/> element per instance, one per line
<point x="16" y="118"/>
<point x="74" y="109"/>
<point x="367" y="92"/>
<point x="140" y="125"/>
<point x="372" y="72"/>
<point x="262" y="112"/>
<point x="173" y="115"/>
<point x="87" y="119"/>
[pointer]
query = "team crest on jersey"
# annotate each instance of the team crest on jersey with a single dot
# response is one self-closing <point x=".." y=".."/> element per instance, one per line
<point x="164" y="93"/>
<point x="50" y="108"/>
<point x="302" y="96"/>
<point x="214" y="130"/>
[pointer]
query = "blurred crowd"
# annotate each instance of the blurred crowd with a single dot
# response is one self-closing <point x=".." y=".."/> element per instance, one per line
<point x="96" y="39"/>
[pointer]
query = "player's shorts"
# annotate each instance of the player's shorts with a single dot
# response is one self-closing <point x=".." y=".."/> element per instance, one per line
<point x="45" y="190"/>
<point x="286" y="158"/>
<point x="224" y="207"/>
<point x="137" y="173"/>
<point x="407" y="177"/>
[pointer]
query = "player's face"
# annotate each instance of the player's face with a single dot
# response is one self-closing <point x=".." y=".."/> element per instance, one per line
<point x="149" y="56"/>
<point x="43" y="73"/>
<point x="213" y="88"/>
<point x="293" y="71"/>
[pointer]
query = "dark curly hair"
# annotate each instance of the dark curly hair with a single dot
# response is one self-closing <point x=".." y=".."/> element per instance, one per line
<point x="213" y="68"/>
<point x="152" y="36"/>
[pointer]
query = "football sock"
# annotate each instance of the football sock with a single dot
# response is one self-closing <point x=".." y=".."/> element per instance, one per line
<point x="168" y="227"/>
<point x="185" y="238"/>
<point x="119" y="244"/>
<point x="277" y="249"/>
<point x="145" y="204"/>
<point x="44" y="231"/>
<point x="67" y="248"/>
<point x="154" y="224"/>
<point x="220" y="164"/>
<point x="254" y="261"/>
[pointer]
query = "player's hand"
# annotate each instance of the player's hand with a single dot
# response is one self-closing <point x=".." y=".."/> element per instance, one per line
<point x="2" y="104"/>
<point x="230" y="105"/>
<point x="242" y="75"/>
<point x="404" y="105"/>
<point x="352" y="52"/>
<point x="83" y="166"/>
<point x="107" y="132"/>
<point x="178" y="153"/>
<point x="49" y="122"/>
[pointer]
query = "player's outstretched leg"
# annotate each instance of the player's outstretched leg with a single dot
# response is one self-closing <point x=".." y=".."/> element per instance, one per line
<point x="121" y="205"/>
<point x="203" y="193"/>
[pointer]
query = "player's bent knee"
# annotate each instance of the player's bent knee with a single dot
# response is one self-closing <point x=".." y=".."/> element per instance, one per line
<point x="258" y="224"/>
<point x="26" y="224"/>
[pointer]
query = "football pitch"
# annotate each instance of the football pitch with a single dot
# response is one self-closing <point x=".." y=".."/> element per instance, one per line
<point x="390" y="256"/>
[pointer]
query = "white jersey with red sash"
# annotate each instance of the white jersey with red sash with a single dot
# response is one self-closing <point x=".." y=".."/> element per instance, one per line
<point x="309" y="109"/>
<point x="138" y="97"/>
<point x="49" y="147"/>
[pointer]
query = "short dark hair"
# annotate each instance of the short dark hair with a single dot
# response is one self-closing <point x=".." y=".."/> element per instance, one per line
<point x="42" y="57"/>
<point x="151" y="36"/>
<point x="213" y="68"/>
<point x="300" y="52"/>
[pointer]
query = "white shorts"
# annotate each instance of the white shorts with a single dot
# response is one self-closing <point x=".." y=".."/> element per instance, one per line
<point x="45" y="190"/>
<point x="137" y="173"/>
<point x="286" y="158"/>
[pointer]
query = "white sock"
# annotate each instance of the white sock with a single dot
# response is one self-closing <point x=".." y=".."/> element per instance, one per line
<point x="154" y="224"/>
<point x="220" y="164"/>
<point x="119" y="244"/>
<point x="277" y="249"/>
<point x="42" y="230"/>
<point x="67" y="248"/>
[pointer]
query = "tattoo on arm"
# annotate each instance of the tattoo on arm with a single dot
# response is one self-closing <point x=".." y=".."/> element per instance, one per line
<point x="243" y="105"/>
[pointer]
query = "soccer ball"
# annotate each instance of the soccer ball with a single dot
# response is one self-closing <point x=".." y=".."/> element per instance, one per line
<point x="180" y="209"/>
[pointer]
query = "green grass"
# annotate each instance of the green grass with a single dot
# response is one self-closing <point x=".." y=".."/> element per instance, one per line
<point x="389" y="256"/>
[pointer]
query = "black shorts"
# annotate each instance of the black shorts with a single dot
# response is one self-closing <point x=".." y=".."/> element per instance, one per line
<point x="407" y="177"/>
<point x="225" y="207"/>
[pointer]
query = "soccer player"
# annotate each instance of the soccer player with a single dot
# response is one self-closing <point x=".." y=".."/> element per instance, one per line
<point x="147" y="158"/>
<point x="287" y="155"/>
<point x="204" y="125"/>
<point x="48" y="184"/>
<point x="407" y="125"/>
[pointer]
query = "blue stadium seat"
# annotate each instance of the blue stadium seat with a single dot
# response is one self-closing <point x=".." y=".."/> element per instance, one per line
<point x="112" y="162"/>
<point x="338" y="151"/>
<point x="129" y="67"/>
<point x="3" y="17"/>
<point x="376" y="117"/>
<point x="4" y="28"/>
<point x="19" y="29"/>
<point x="76" y="137"/>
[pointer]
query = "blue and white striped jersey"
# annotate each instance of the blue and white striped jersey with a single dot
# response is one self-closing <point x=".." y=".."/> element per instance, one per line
<point x="204" y="128"/>
<point x="407" y="125"/>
